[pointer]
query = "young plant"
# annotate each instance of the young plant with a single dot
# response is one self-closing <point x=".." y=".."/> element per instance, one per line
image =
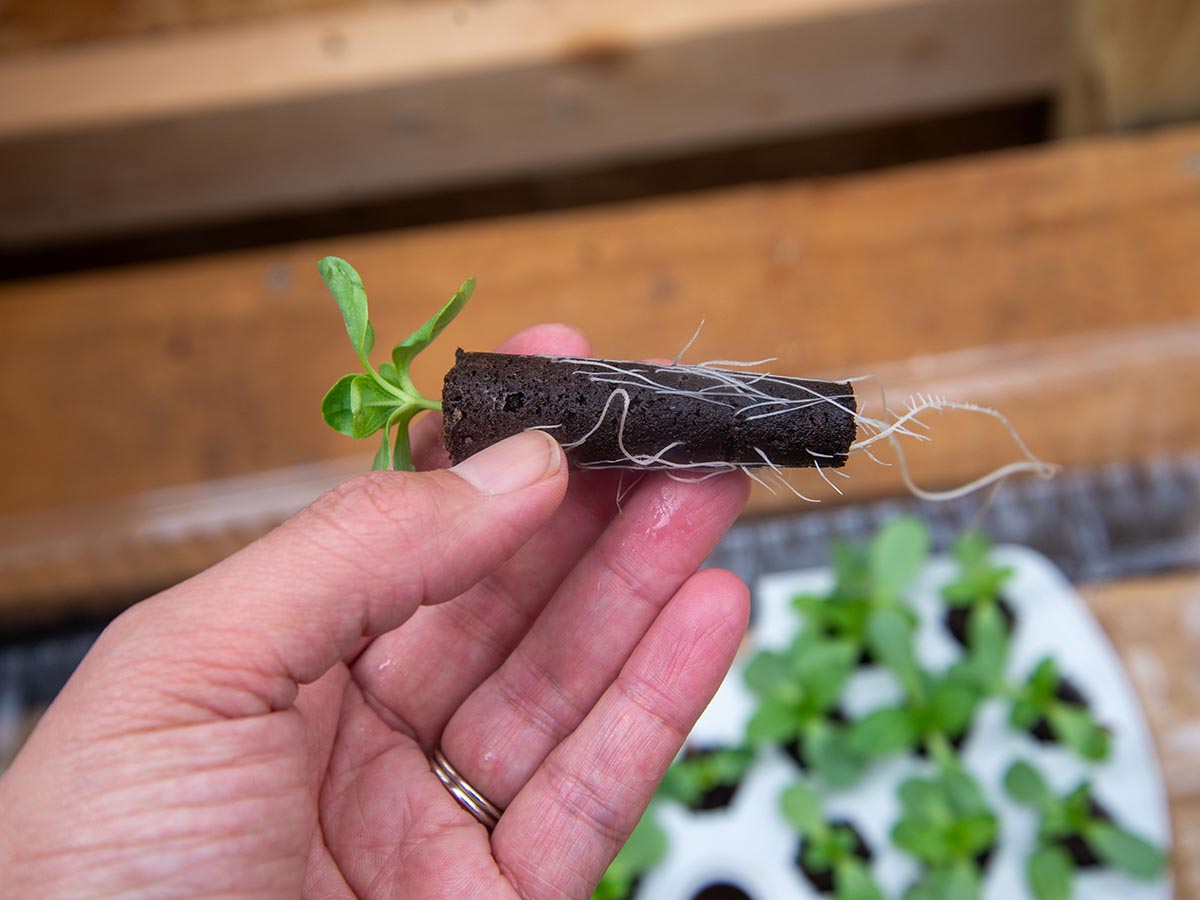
<point x="947" y="825"/>
<point x="1049" y="707"/>
<point x="798" y="691"/>
<point x="866" y="580"/>
<point x="937" y="709"/>
<point x="646" y="846"/>
<point x="976" y="591"/>
<point x="832" y="855"/>
<point x="1074" y="832"/>
<point x="707" y="778"/>
<point x="384" y="398"/>
<point x="696" y="419"/>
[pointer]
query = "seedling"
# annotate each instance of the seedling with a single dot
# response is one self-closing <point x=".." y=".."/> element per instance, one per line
<point x="867" y="580"/>
<point x="694" y="421"/>
<point x="645" y="847"/>
<point x="706" y="779"/>
<point x="798" y="691"/>
<point x="977" y="590"/>
<point x="937" y="709"/>
<point x="832" y="855"/>
<point x="947" y="825"/>
<point x="1075" y="832"/>
<point x="1051" y="708"/>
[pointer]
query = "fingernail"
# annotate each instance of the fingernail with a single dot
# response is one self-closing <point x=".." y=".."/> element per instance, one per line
<point x="514" y="463"/>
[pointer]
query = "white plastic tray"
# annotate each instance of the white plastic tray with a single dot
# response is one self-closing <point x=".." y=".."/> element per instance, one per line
<point x="750" y="844"/>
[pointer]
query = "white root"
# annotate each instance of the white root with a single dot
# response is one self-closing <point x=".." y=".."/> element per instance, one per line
<point x="725" y="383"/>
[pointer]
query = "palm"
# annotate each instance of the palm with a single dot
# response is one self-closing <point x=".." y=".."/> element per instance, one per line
<point x="556" y="650"/>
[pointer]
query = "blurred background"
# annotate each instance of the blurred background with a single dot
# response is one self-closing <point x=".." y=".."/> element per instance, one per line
<point x="998" y="200"/>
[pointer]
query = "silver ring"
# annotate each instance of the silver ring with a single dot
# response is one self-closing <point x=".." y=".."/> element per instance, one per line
<point x="485" y="812"/>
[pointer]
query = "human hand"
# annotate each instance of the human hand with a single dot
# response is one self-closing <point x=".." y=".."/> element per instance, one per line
<point x="264" y="729"/>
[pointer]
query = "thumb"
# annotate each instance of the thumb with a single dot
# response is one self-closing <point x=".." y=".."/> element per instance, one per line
<point x="356" y="563"/>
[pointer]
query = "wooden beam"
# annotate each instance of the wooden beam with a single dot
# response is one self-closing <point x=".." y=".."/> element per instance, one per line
<point x="334" y="108"/>
<point x="1130" y="64"/>
<point x="1155" y="626"/>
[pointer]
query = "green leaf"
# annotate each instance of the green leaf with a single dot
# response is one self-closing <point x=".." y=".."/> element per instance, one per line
<point x="401" y="451"/>
<point x="383" y="456"/>
<point x="916" y="838"/>
<point x="987" y="643"/>
<point x="370" y="406"/>
<point x="1043" y="681"/>
<point x="773" y="722"/>
<point x="890" y="637"/>
<point x="1125" y="851"/>
<point x="852" y="881"/>
<point x="388" y="373"/>
<point x="347" y="289"/>
<point x="896" y="555"/>
<point x="766" y="671"/>
<point x="1024" y="714"/>
<point x="682" y="783"/>
<point x="960" y="882"/>
<point x="952" y="703"/>
<point x="832" y="758"/>
<point x="1050" y="871"/>
<point x="405" y="351"/>
<point x="1025" y="785"/>
<point x="1076" y="728"/>
<point x="802" y="808"/>
<point x="336" y="406"/>
<point x="962" y="792"/>
<point x="883" y="732"/>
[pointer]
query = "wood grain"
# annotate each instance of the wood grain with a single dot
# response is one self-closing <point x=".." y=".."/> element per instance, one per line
<point x="368" y="101"/>
<point x="1130" y="64"/>
<point x="1155" y="625"/>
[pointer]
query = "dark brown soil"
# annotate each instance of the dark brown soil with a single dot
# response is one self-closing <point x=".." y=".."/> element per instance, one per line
<point x="722" y="890"/>
<point x="490" y="396"/>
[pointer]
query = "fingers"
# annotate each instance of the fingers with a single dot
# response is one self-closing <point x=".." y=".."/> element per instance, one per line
<point x="239" y="637"/>
<point x="505" y="730"/>
<point x="564" y="827"/>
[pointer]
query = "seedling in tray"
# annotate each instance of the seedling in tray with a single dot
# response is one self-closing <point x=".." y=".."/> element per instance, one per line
<point x="937" y="707"/>
<point x="798" y="691"/>
<point x="832" y="855"/>
<point x="1051" y="708"/>
<point x="977" y="589"/>
<point x="947" y="825"/>
<point x="1075" y="832"/>
<point x="867" y="580"/>
<point x="707" y="777"/>
<point x="694" y="421"/>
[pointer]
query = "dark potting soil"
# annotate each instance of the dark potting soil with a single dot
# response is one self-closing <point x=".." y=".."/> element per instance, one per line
<point x="795" y="749"/>
<point x="1080" y="849"/>
<point x="721" y="890"/>
<point x="1068" y="693"/>
<point x="822" y="880"/>
<point x="958" y="619"/>
<point x="491" y="396"/>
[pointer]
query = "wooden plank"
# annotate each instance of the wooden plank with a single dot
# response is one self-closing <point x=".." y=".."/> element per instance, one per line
<point x="29" y="24"/>
<point x="1057" y="284"/>
<point x="1155" y="625"/>
<point x="366" y="102"/>
<point x="1130" y="65"/>
<point x="181" y="373"/>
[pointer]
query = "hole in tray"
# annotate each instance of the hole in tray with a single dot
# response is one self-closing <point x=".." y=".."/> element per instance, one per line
<point x="958" y="620"/>
<point x="721" y="890"/>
